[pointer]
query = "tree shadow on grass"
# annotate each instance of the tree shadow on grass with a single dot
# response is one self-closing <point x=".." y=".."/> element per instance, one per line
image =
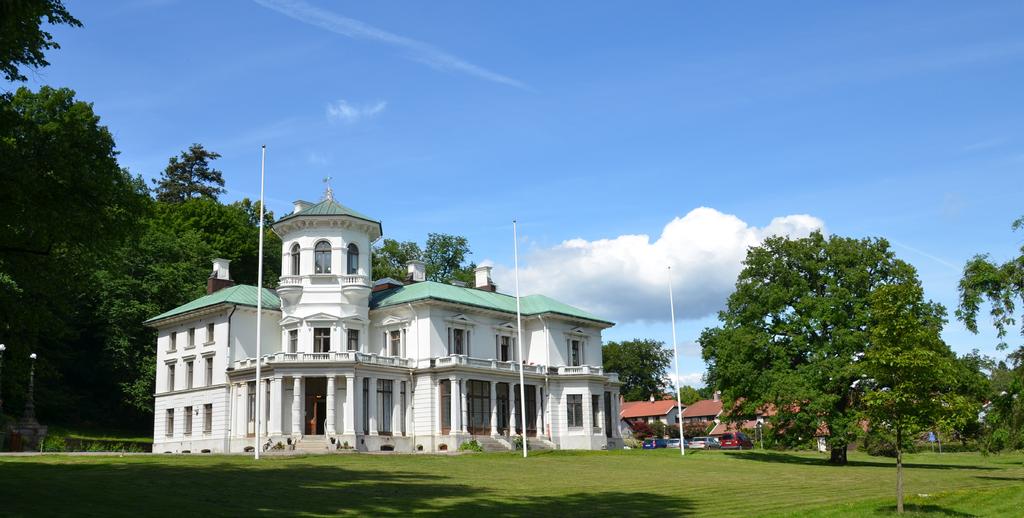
<point x="923" y="509"/>
<point x="787" y="458"/>
<point x="284" y="488"/>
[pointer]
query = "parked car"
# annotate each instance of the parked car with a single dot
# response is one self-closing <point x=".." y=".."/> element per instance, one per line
<point x="736" y="441"/>
<point x="674" y="443"/>
<point x="650" y="444"/>
<point x="704" y="443"/>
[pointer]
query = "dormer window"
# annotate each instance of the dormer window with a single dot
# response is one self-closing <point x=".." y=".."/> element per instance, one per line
<point x="295" y="256"/>
<point x="575" y="352"/>
<point x="322" y="257"/>
<point x="353" y="259"/>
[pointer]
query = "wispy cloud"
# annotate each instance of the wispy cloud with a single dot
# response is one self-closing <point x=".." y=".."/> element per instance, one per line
<point x="418" y="50"/>
<point x="344" y="111"/>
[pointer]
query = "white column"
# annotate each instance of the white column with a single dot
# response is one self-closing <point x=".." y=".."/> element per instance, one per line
<point x="539" y="410"/>
<point x="494" y="408"/>
<point x="396" y="408"/>
<point x="513" y="393"/>
<point x="616" y="412"/>
<point x="297" y="413"/>
<point x="329" y="425"/>
<point x="276" y="409"/>
<point x="588" y="419"/>
<point x="373" y="405"/>
<point x="265" y="418"/>
<point x="463" y="409"/>
<point x="438" y="406"/>
<point x="454" y="390"/>
<point x="349" y="419"/>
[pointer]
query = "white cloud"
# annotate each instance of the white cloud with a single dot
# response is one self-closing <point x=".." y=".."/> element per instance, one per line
<point x="624" y="278"/>
<point x="693" y="379"/>
<point x="344" y="111"/>
<point x="419" y="51"/>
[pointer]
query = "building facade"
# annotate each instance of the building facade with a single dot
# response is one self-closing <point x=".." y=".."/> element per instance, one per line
<point x="410" y="365"/>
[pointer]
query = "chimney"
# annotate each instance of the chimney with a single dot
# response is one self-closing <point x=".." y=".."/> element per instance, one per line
<point x="417" y="271"/>
<point x="300" y="205"/>
<point x="718" y="395"/>
<point x="220" y="278"/>
<point x="483" y="279"/>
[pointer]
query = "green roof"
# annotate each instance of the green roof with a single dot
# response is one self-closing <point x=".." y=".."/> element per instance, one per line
<point x="531" y="304"/>
<point x="241" y="294"/>
<point x="329" y="207"/>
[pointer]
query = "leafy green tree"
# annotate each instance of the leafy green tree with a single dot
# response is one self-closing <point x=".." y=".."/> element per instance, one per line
<point x="190" y="176"/>
<point x="391" y="257"/>
<point x="24" y="42"/>
<point x="794" y="328"/>
<point x="65" y="203"/>
<point x="642" y="365"/>
<point x="906" y="369"/>
<point x="689" y="395"/>
<point x="445" y="255"/>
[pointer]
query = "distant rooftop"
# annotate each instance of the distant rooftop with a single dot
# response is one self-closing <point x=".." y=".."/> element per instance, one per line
<point x="241" y="294"/>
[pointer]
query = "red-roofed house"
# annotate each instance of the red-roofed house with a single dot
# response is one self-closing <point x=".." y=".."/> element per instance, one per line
<point x="649" y="411"/>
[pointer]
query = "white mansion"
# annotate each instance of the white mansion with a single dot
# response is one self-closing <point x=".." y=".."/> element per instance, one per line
<point x="410" y="365"/>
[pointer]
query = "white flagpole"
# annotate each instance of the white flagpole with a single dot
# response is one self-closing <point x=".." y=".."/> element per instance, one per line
<point x="259" y="315"/>
<point x="519" y="340"/>
<point x="675" y="351"/>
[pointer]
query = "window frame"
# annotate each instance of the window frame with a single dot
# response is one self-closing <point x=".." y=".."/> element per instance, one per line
<point x="574" y="410"/>
<point x="188" y="421"/>
<point x="208" y="418"/>
<point x="352" y="259"/>
<point x="349" y="340"/>
<point x="169" y="422"/>
<point x="318" y="340"/>
<point x="208" y="370"/>
<point x="170" y="376"/>
<point x="210" y="329"/>
<point x="322" y="257"/>
<point x="295" y="259"/>
<point x="293" y="341"/>
<point x="190" y="373"/>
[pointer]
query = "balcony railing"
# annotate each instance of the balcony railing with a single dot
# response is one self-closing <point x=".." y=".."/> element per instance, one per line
<point x="455" y="360"/>
<point x="288" y="280"/>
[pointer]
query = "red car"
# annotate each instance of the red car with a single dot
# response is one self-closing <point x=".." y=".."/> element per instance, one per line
<point x="736" y="441"/>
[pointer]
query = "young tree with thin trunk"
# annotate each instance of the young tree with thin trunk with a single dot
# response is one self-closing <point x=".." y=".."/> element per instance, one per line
<point x="907" y="369"/>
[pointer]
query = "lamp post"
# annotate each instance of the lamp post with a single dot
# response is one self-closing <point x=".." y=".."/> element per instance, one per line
<point x="2" y="349"/>
<point x="30" y="407"/>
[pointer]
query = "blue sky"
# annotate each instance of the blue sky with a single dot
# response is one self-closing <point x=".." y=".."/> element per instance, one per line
<point x="590" y="121"/>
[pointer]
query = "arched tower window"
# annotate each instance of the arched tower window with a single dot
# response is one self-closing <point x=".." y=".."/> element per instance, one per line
<point x="322" y="257"/>
<point x="295" y="259"/>
<point x="353" y="259"/>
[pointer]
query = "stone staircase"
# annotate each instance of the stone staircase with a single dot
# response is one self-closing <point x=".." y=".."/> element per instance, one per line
<point x="490" y="444"/>
<point x="539" y="444"/>
<point x="313" y="444"/>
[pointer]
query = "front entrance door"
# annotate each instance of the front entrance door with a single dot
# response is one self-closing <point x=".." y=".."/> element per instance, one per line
<point x="531" y="410"/>
<point x="503" y="408"/>
<point x="316" y="406"/>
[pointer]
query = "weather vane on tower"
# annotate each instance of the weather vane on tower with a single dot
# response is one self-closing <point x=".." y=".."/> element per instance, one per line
<point x="328" y="194"/>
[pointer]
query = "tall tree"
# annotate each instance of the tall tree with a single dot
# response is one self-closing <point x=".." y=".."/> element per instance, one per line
<point x="1001" y="285"/>
<point x="445" y="256"/>
<point x="793" y="329"/>
<point x="907" y="369"/>
<point x="642" y="365"/>
<point x="391" y="257"/>
<point x="689" y="395"/>
<point x="190" y="176"/>
<point x="64" y="205"/>
<point x="23" y="41"/>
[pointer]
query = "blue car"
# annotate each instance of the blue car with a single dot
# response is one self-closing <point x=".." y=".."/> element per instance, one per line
<point x="650" y="444"/>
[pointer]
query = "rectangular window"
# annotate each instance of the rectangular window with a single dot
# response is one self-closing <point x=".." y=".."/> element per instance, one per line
<point x="595" y="411"/>
<point x="575" y="353"/>
<point x="209" y="371"/>
<point x="505" y="348"/>
<point x="293" y="340"/>
<point x="353" y="340"/>
<point x="170" y="377"/>
<point x="321" y="339"/>
<point x="190" y="372"/>
<point x="395" y="343"/>
<point x="188" y="420"/>
<point x="445" y="387"/>
<point x="209" y="333"/>
<point x="457" y="341"/>
<point x="191" y="337"/>
<point x="173" y="342"/>
<point x="208" y="418"/>
<point x="385" y="406"/>
<point x="574" y="410"/>
<point x="251" y="408"/>
<point x="169" y="423"/>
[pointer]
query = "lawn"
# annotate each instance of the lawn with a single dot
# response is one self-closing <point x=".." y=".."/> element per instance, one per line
<point x="627" y="483"/>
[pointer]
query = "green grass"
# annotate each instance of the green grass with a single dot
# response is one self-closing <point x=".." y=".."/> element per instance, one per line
<point x="100" y="434"/>
<point x="627" y="483"/>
